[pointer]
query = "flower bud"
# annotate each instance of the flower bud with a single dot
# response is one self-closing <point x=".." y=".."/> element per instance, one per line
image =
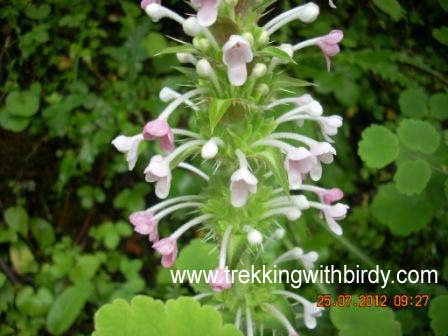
<point x="259" y="70"/>
<point x="263" y="89"/>
<point x="249" y="37"/>
<point x="301" y="202"/>
<point x="254" y="237"/>
<point x="191" y="26"/>
<point x="309" y="13"/>
<point x="167" y="95"/>
<point x="293" y="214"/>
<point x="183" y="57"/>
<point x="209" y="150"/>
<point x="279" y="234"/>
<point x="264" y="38"/>
<point x="203" y="68"/>
<point x="155" y="12"/>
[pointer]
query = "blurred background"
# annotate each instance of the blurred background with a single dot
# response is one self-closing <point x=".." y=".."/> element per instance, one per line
<point x="74" y="74"/>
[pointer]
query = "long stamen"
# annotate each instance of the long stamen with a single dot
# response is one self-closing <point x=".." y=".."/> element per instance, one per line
<point x="306" y="13"/>
<point x="283" y="101"/>
<point x="176" y="207"/>
<point x="280" y="17"/>
<point x="289" y="255"/>
<point x="238" y="319"/>
<point x="184" y="228"/>
<point x="167" y="95"/>
<point x="298" y="113"/>
<point x="195" y="170"/>
<point x="179" y="100"/>
<point x="276" y="212"/>
<point x="201" y="296"/>
<point x="274" y="143"/>
<point x="224" y="245"/>
<point x="281" y="318"/>
<point x="242" y="159"/>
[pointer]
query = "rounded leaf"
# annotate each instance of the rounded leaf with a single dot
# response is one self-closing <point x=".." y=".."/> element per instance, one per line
<point x="378" y="147"/>
<point x="413" y="103"/>
<point x="438" y="106"/>
<point x="419" y="135"/>
<point x="402" y="214"/>
<point x="437" y="313"/>
<point x="412" y="177"/>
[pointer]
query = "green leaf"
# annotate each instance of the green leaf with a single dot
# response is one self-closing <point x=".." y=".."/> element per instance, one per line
<point x="85" y="268"/>
<point x="419" y="135"/>
<point x="154" y="43"/>
<point x="12" y="123"/>
<point x="276" y="52"/>
<point x="437" y="313"/>
<point x="378" y="147"/>
<point x="24" y="103"/>
<point x="37" y="12"/>
<point x="22" y="259"/>
<point x="184" y="48"/>
<point x="275" y="162"/>
<point x="438" y="106"/>
<point x="17" y="219"/>
<point x="414" y="103"/>
<point x="412" y="177"/>
<point x="402" y="214"/>
<point x="444" y="4"/>
<point x="42" y="231"/>
<point x="34" y="304"/>
<point x="441" y="34"/>
<point x="370" y="321"/>
<point x="145" y="316"/>
<point x="390" y="7"/>
<point x="198" y="255"/>
<point x="67" y="307"/>
<point x="217" y="109"/>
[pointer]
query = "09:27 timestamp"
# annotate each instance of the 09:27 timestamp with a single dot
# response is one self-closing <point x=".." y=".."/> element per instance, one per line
<point x="373" y="300"/>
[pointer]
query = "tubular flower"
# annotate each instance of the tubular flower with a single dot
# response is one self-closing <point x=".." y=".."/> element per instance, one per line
<point x="252" y="178"/>
<point x="236" y="53"/>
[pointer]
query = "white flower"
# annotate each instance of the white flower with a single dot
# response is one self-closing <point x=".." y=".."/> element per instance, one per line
<point x="236" y="53"/>
<point x="298" y="162"/>
<point x="254" y="237"/>
<point x="210" y="148"/>
<point x="324" y="152"/>
<point x="159" y="171"/>
<point x="329" y="125"/>
<point x="128" y="146"/>
<point x="242" y="182"/>
<point x="311" y="311"/>
<point x="333" y="213"/>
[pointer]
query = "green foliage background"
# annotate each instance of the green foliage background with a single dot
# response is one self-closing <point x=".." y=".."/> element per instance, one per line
<point x="74" y="74"/>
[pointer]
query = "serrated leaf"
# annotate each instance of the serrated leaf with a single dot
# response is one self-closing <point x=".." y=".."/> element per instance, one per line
<point x="441" y="34"/>
<point x="412" y="177"/>
<point x="419" y="135"/>
<point x="275" y="162"/>
<point x="147" y="317"/>
<point x="276" y="52"/>
<point x="177" y="49"/>
<point x="402" y="214"/>
<point x="67" y="307"/>
<point x="390" y="7"/>
<point x="378" y="147"/>
<point x="437" y="313"/>
<point x="370" y="321"/>
<point x="414" y="103"/>
<point x="217" y="109"/>
<point x="438" y="106"/>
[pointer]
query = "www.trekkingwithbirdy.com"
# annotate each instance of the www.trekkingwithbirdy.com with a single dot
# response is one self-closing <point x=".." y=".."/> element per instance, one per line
<point x="325" y="274"/>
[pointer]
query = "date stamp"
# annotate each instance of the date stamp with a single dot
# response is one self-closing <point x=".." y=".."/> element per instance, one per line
<point x="373" y="300"/>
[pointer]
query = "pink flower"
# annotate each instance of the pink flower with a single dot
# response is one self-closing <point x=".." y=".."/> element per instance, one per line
<point x="144" y="224"/>
<point x="220" y="280"/>
<point x="208" y="11"/>
<point x="237" y="53"/>
<point x="160" y="130"/>
<point x="159" y="171"/>
<point x="168" y="249"/>
<point x="324" y="152"/>
<point x="329" y="45"/>
<point x="299" y="161"/>
<point x="331" y="195"/>
<point x="146" y="3"/>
